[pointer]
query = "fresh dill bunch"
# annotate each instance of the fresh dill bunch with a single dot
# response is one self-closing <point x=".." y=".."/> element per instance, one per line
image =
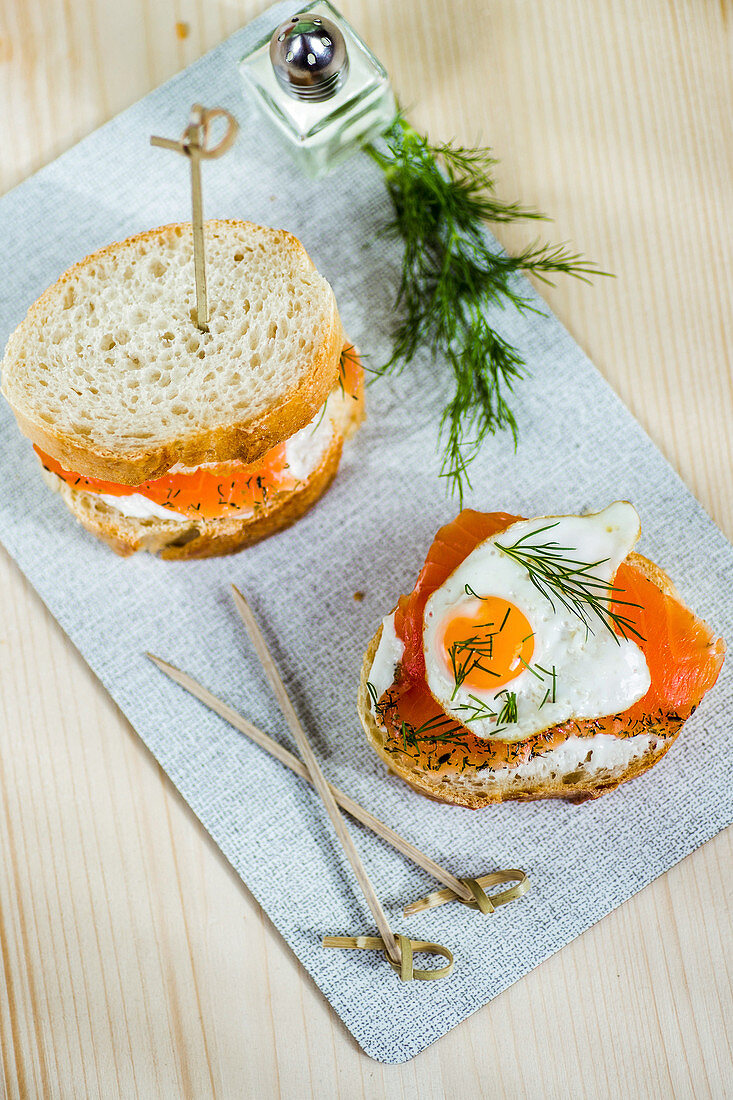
<point x="442" y="195"/>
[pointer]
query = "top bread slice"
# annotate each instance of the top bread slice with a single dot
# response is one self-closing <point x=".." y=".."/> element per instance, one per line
<point x="109" y="374"/>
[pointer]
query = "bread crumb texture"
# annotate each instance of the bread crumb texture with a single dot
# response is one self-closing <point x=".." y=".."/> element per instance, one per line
<point x="111" y="356"/>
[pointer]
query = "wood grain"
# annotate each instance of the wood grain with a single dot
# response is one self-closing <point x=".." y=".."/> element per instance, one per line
<point x="134" y="963"/>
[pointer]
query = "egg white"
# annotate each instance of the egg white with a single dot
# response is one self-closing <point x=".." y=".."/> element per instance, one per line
<point x="596" y="673"/>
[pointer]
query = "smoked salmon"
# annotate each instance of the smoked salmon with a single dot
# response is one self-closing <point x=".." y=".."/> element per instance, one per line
<point x="208" y="491"/>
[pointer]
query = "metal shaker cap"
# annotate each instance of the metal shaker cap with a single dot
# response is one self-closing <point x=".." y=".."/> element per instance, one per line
<point x="308" y="54"/>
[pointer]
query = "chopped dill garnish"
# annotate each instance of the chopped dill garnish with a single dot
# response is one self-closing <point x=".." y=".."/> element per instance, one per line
<point x="553" y="673"/>
<point x="508" y="713"/>
<point x="317" y="423"/>
<point x="438" y="728"/>
<point x="467" y="655"/>
<point x="541" y="673"/>
<point x="571" y="582"/>
<point x="434" y="729"/>
<point x="442" y="195"/>
<point x="475" y="711"/>
<point x="530" y="669"/>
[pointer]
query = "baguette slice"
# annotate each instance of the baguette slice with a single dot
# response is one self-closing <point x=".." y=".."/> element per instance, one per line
<point x="572" y="774"/>
<point x="109" y="374"/>
<point x="179" y="539"/>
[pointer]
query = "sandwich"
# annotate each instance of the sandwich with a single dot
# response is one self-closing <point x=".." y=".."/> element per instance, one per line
<point x="165" y="438"/>
<point x="537" y="658"/>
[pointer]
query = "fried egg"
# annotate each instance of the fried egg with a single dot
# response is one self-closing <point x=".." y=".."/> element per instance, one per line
<point x="503" y="653"/>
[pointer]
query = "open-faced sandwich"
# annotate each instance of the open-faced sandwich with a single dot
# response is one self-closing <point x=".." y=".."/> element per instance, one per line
<point x="535" y="658"/>
<point x="162" y="437"/>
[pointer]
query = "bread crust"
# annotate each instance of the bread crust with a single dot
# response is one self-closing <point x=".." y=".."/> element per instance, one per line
<point x="580" y="788"/>
<point x="176" y="540"/>
<point x="244" y="440"/>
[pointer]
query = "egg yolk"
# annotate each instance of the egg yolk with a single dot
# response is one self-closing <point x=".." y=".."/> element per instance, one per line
<point x="486" y="649"/>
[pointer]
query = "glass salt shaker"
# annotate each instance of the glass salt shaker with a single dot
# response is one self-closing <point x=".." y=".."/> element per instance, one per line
<point x="321" y="85"/>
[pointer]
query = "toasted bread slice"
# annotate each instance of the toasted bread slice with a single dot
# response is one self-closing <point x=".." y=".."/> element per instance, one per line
<point x="577" y="771"/>
<point x="179" y="539"/>
<point x="109" y="374"/>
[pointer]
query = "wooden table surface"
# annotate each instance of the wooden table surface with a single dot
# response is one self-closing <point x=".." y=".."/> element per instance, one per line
<point x="134" y="962"/>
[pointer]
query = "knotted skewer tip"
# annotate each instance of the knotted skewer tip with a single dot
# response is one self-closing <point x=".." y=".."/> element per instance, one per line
<point x="408" y="948"/>
<point x="485" y="903"/>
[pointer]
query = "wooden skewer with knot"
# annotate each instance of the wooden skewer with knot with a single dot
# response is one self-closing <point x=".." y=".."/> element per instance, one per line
<point x="195" y="145"/>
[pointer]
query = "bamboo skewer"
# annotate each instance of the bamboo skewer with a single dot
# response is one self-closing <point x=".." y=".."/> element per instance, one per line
<point x="193" y="145"/>
<point x="455" y="889"/>
<point x="455" y="886"/>
<point x="394" y="949"/>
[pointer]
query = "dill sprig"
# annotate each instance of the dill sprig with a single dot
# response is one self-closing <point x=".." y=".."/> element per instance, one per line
<point x="571" y="583"/>
<point x="348" y="356"/>
<point x="428" y="731"/>
<point x="442" y="195"/>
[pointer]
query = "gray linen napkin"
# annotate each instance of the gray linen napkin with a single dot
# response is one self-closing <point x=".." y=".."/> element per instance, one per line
<point x="579" y="449"/>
